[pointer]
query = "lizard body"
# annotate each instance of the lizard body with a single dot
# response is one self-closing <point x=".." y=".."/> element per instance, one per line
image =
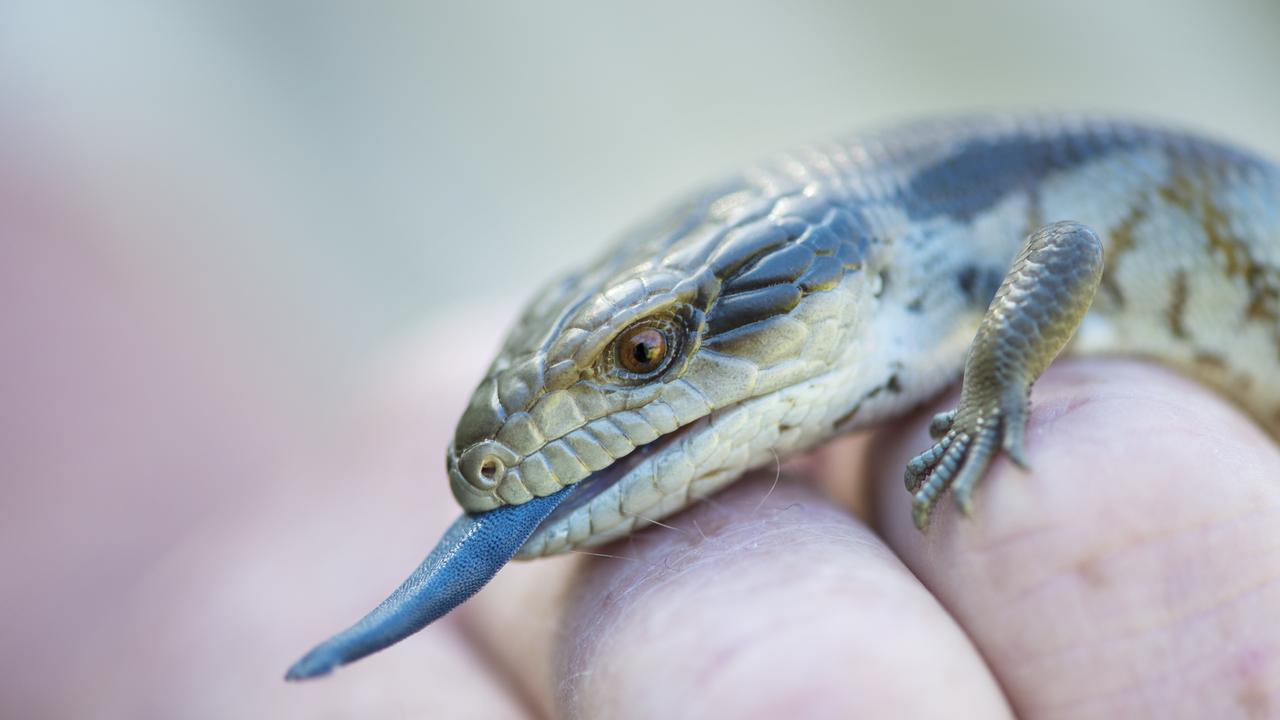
<point x="838" y="286"/>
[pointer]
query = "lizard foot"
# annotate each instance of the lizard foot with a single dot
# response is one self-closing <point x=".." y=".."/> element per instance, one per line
<point x="967" y="440"/>
<point x="1039" y="304"/>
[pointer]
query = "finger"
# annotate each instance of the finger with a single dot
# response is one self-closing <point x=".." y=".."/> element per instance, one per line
<point x="1134" y="570"/>
<point x="762" y="602"/>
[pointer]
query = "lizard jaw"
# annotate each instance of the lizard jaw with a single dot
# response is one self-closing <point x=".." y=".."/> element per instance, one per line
<point x="590" y="487"/>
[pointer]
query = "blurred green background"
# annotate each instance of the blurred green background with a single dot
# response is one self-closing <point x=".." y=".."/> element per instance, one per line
<point x="218" y="220"/>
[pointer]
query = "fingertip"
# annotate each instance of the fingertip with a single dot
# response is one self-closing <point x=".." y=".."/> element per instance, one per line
<point x="744" y="609"/>
<point x="1150" y="503"/>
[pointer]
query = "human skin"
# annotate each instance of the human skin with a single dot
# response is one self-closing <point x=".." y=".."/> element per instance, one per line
<point x="1133" y="571"/>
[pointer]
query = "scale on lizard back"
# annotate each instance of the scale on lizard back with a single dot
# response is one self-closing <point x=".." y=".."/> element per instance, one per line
<point x="836" y="287"/>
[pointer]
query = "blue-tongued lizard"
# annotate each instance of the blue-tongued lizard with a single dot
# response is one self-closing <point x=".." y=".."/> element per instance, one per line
<point x="836" y="287"/>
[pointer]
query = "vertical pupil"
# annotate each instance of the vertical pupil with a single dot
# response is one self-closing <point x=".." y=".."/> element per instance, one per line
<point x="643" y="351"/>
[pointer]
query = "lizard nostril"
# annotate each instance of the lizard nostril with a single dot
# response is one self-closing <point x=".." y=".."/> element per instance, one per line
<point x="485" y="472"/>
<point x="484" y="464"/>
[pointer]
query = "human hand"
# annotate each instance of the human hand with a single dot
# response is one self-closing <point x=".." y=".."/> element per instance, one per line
<point x="1134" y="571"/>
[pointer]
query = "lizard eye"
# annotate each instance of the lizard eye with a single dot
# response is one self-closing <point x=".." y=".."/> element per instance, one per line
<point x="643" y="349"/>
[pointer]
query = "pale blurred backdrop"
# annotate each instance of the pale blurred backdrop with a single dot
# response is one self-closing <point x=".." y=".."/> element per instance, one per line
<point x="218" y="221"/>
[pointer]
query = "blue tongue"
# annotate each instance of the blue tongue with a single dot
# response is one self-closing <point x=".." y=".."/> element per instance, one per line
<point x="471" y="552"/>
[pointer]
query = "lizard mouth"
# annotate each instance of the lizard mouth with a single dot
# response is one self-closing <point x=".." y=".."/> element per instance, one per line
<point x="590" y="487"/>
<point x="640" y="486"/>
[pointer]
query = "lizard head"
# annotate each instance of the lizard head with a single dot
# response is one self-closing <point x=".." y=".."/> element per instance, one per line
<point x="694" y="350"/>
<point x="683" y="357"/>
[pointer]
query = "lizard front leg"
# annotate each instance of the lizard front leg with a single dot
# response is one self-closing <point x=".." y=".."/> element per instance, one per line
<point x="1036" y="310"/>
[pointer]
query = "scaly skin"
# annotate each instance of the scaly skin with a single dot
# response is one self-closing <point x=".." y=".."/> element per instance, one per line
<point x="840" y="286"/>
